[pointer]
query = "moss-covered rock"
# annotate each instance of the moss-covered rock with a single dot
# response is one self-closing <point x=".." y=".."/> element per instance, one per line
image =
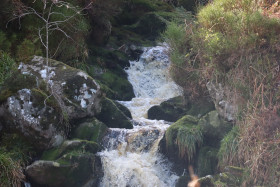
<point x="93" y="130"/>
<point x="112" y="116"/>
<point x="70" y="146"/>
<point x="201" y="107"/>
<point x="170" y="110"/>
<point x="42" y="106"/>
<point x="121" y="87"/>
<point x="124" y="109"/>
<point x="74" y="169"/>
<point x="181" y="141"/>
<point x="213" y="127"/>
<point x="71" y="164"/>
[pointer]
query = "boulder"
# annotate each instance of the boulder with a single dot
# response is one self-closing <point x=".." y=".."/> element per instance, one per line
<point x="112" y="116"/>
<point x="214" y="127"/>
<point x="72" y="164"/>
<point x="115" y="86"/>
<point x="232" y="176"/>
<point x="170" y="110"/>
<point x="44" y="106"/>
<point x="124" y="109"/>
<point x="200" y="107"/>
<point x="181" y="141"/>
<point x="93" y="130"/>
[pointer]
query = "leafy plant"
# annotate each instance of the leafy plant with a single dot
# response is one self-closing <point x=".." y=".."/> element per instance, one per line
<point x="7" y="66"/>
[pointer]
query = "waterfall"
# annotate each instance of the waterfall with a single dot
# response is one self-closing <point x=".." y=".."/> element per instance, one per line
<point x="131" y="157"/>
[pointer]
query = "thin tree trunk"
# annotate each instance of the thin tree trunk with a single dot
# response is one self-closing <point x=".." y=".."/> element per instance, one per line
<point x="47" y="55"/>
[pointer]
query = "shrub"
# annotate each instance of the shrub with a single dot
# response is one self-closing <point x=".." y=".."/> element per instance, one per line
<point x="26" y="50"/>
<point x="7" y="66"/>
<point x="11" y="173"/>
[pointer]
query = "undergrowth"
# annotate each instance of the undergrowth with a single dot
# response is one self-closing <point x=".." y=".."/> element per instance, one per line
<point x="236" y="43"/>
<point x="15" y="154"/>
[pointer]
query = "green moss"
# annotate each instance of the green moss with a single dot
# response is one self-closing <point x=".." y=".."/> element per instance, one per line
<point x="7" y="65"/>
<point x="71" y="148"/>
<point x="207" y="161"/>
<point x="201" y="107"/>
<point x="15" y="153"/>
<point x="119" y="85"/>
<point x="184" y="136"/>
<point x="116" y="118"/>
<point x="228" y="151"/>
<point x="92" y="131"/>
<point x="16" y="83"/>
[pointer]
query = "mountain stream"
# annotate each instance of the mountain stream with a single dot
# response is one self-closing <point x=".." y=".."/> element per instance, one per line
<point x="131" y="157"/>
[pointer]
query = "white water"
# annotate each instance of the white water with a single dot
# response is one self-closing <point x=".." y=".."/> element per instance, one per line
<point x="131" y="157"/>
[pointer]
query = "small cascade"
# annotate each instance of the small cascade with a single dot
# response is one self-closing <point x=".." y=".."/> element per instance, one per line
<point x="131" y="157"/>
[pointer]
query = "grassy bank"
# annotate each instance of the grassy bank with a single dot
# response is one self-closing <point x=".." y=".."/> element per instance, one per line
<point x="236" y="44"/>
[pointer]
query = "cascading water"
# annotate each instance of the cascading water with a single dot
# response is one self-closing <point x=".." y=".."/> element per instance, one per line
<point x="131" y="157"/>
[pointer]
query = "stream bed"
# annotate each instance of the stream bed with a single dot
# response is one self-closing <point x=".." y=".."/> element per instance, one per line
<point x="131" y="157"/>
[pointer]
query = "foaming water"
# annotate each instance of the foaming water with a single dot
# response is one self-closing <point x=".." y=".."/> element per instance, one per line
<point x="131" y="157"/>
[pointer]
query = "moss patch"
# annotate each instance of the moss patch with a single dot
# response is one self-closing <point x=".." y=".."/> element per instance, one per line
<point x="112" y="116"/>
<point x="73" y="147"/>
<point x="92" y="131"/>
<point x="183" y="137"/>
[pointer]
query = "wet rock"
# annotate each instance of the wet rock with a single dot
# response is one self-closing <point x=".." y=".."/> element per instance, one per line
<point x="93" y="130"/>
<point x="227" y="109"/>
<point x="124" y="109"/>
<point x="76" y="168"/>
<point x="115" y="86"/>
<point x="112" y="116"/>
<point x="69" y="146"/>
<point x="43" y="106"/>
<point x="214" y="127"/>
<point x="71" y="164"/>
<point x="170" y="110"/>
<point x="232" y="176"/>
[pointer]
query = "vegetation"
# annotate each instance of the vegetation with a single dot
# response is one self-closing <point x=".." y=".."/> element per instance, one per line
<point x="7" y="66"/>
<point x="14" y="154"/>
<point x="236" y="43"/>
<point x="184" y="136"/>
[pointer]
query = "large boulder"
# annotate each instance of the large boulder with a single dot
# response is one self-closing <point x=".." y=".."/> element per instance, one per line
<point x="170" y="110"/>
<point x="72" y="164"/>
<point x="116" y="86"/>
<point x="43" y="105"/>
<point x="214" y="127"/>
<point x="175" y="108"/>
<point x="180" y="142"/>
<point x="112" y="116"/>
